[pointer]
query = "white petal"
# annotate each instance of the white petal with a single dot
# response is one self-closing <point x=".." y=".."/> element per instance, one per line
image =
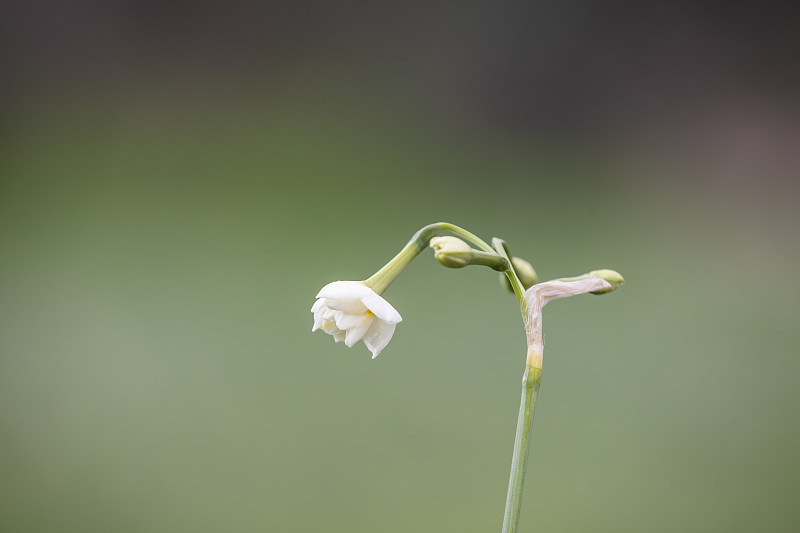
<point x="353" y="307"/>
<point x="354" y="335"/>
<point x="329" y="327"/>
<point x="381" y="308"/>
<point x="346" y="321"/>
<point x="344" y="290"/>
<point x="339" y="336"/>
<point x="318" y="305"/>
<point x="317" y="309"/>
<point x="378" y="336"/>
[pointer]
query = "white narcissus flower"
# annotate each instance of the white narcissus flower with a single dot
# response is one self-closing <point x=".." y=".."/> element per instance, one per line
<point x="351" y="311"/>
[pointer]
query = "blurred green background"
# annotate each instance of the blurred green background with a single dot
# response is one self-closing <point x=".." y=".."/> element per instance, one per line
<point x="179" y="179"/>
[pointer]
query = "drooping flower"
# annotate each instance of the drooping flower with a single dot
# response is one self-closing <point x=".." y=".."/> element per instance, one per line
<point x="350" y="311"/>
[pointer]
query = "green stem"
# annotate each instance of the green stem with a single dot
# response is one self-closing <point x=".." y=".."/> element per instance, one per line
<point x="381" y="280"/>
<point x="519" y="291"/>
<point x="530" y="390"/>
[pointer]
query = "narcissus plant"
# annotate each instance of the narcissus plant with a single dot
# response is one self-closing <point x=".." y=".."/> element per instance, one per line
<point x="353" y="311"/>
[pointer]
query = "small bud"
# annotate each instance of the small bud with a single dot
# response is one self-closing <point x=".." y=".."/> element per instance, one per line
<point x="611" y="276"/>
<point x="525" y="272"/>
<point x="452" y="252"/>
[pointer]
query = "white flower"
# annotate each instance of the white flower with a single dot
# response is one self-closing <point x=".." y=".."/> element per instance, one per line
<point x="351" y="311"/>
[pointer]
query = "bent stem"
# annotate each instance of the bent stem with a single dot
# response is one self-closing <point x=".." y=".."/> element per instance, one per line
<point x="531" y="381"/>
<point x="419" y="241"/>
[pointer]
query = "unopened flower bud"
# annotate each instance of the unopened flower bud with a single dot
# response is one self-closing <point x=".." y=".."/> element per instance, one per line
<point x="452" y="252"/>
<point x="613" y="277"/>
<point x="525" y="272"/>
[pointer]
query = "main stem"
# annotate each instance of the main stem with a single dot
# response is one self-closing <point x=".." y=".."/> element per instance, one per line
<point x="530" y="390"/>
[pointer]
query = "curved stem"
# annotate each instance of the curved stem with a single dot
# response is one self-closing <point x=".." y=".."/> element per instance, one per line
<point x="464" y="234"/>
<point x="530" y="390"/>
<point x="381" y="280"/>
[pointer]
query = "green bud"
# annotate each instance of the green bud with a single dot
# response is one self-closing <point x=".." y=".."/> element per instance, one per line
<point x="525" y="272"/>
<point x="611" y="276"/>
<point x="452" y="252"/>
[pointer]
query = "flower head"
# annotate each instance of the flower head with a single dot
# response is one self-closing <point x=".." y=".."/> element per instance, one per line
<point x="351" y="311"/>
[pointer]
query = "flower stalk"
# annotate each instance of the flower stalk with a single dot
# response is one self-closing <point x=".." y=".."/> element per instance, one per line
<point x="531" y="380"/>
<point x="381" y="280"/>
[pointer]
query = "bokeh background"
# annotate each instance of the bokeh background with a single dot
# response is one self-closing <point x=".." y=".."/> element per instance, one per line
<point x="179" y="178"/>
